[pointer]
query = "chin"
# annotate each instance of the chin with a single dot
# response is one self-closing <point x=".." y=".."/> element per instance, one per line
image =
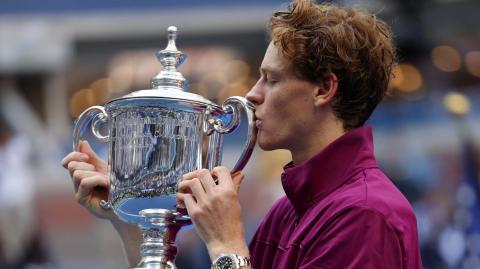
<point x="267" y="145"/>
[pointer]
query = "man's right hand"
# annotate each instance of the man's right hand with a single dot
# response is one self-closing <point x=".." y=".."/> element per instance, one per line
<point x="90" y="180"/>
<point x="89" y="175"/>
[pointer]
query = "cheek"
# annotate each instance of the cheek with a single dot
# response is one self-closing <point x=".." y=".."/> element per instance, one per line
<point x="296" y="117"/>
<point x="280" y="105"/>
<point x="293" y="109"/>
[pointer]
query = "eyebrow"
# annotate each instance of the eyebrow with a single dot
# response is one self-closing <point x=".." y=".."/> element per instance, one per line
<point x="267" y="69"/>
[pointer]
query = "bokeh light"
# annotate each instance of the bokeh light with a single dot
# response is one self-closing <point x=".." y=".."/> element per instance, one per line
<point x="81" y="100"/>
<point x="406" y="78"/>
<point x="456" y="103"/>
<point x="446" y="58"/>
<point x="101" y="89"/>
<point x="472" y="63"/>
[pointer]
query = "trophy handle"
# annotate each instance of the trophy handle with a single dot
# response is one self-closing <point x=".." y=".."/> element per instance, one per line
<point x="93" y="116"/>
<point x="234" y="105"/>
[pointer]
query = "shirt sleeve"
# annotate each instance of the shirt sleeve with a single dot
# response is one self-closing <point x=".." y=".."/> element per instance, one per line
<point x="356" y="238"/>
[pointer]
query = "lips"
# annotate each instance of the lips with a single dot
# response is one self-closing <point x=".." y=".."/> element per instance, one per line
<point x="258" y="120"/>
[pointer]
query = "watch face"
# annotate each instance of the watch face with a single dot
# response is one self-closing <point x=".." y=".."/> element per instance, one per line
<point x="225" y="262"/>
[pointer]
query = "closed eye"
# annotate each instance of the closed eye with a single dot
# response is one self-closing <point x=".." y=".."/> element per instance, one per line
<point x="271" y="80"/>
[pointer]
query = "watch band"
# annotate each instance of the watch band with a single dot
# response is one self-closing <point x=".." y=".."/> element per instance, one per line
<point x="242" y="261"/>
<point x="238" y="261"/>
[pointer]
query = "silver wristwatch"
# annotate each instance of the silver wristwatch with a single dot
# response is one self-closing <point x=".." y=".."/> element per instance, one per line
<point x="230" y="261"/>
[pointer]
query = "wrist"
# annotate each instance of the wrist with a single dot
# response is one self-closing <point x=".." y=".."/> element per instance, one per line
<point x="124" y="228"/>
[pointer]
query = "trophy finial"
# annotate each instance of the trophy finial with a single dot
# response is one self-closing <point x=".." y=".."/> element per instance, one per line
<point x="172" y="37"/>
<point x="170" y="58"/>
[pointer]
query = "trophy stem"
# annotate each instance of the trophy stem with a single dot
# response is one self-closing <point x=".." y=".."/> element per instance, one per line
<point x="159" y="231"/>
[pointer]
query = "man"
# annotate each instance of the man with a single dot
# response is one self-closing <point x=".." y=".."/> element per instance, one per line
<point x="324" y="72"/>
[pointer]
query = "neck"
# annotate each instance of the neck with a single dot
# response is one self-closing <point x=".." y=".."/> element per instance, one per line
<point x="317" y="141"/>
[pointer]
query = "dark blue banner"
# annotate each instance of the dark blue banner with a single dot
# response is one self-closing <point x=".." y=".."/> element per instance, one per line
<point x="61" y="6"/>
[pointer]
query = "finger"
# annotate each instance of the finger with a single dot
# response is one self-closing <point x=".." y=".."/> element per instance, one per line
<point x="80" y="175"/>
<point x="191" y="205"/>
<point x="184" y="187"/>
<point x="94" y="159"/>
<point x="207" y="180"/>
<point x="74" y="156"/>
<point x="86" y="187"/>
<point x="180" y="200"/>
<point x="197" y="190"/>
<point x="237" y="179"/>
<point x="223" y="175"/>
<point x="191" y="175"/>
<point x="74" y="165"/>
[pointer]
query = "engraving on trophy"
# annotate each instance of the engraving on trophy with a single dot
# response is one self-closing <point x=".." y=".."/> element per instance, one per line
<point x="152" y="147"/>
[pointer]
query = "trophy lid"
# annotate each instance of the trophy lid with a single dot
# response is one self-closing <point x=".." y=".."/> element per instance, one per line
<point x="169" y="84"/>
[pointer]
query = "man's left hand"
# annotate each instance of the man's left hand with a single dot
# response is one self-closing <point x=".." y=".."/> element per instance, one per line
<point x="212" y="203"/>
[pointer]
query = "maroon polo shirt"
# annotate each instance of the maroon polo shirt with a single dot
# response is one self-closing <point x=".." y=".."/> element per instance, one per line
<point x="340" y="211"/>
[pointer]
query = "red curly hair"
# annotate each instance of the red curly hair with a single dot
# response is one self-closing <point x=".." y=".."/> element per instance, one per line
<point x="351" y="43"/>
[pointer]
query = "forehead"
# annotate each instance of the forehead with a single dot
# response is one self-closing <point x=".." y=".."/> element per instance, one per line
<point x="274" y="61"/>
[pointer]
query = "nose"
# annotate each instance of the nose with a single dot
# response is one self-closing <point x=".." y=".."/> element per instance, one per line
<point x="255" y="94"/>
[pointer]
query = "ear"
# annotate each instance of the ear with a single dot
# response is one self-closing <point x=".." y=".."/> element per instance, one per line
<point x="326" y="89"/>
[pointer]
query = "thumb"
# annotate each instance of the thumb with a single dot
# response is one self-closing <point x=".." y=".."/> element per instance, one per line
<point x="98" y="162"/>
<point x="237" y="179"/>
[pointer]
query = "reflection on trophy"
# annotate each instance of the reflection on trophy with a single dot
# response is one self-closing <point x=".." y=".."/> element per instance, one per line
<point x="155" y="137"/>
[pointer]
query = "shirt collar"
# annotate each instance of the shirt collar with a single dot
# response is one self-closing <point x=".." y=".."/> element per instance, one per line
<point x="334" y="165"/>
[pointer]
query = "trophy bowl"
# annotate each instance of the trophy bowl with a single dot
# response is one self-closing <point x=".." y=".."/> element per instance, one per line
<point x="155" y="136"/>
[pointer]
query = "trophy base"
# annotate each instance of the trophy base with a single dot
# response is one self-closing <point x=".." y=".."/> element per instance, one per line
<point x="169" y="265"/>
<point x="159" y="230"/>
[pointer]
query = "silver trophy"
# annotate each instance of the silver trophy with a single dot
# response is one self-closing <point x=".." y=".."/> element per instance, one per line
<point x="155" y="136"/>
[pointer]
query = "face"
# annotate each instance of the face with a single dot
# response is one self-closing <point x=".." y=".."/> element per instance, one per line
<point x="284" y="104"/>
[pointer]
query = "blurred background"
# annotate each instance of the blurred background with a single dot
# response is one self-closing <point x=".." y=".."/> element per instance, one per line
<point x="58" y="57"/>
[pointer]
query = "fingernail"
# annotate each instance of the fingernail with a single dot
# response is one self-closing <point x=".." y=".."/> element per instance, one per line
<point x="83" y="142"/>
<point x="84" y="157"/>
